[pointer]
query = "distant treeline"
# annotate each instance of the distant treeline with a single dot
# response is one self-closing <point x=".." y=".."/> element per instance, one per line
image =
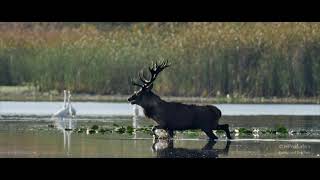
<point x="208" y="59"/>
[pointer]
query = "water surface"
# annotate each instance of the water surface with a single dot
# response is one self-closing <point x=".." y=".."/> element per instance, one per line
<point x="24" y="132"/>
<point x="125" y="109"/>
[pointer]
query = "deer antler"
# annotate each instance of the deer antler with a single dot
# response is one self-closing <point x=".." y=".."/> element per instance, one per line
<point x="155" y="69"/>
<point x="136" y="84"/>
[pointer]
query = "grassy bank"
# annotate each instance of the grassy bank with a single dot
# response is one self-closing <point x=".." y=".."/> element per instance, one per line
<point x="209" y="60"/>
<point x="25" y="93"/>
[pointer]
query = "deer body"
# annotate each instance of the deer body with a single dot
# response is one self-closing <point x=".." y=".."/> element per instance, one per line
<point x="173" y="116"/>
<point x="178" y="116"/>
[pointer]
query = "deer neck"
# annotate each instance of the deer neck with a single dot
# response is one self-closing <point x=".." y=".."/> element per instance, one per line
<point x="152" y="109"/>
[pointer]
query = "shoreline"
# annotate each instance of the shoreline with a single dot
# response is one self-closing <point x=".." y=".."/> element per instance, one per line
<point x="29" y="93"/>
<point x="123" y="98"/>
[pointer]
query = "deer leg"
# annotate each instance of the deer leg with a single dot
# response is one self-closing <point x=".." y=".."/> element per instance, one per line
<point x="210" y="134"/>
<point x="209" y="145"/>
<point x="154" y="128"/>
<point x="171" y="134"/>
<point x="225" y="127"/>
<point x="170" y="144"/>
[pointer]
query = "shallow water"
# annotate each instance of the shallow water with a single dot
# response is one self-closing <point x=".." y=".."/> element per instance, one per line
<point x="57" y="144"/>
<point x="24" y="132"/>
<point x="36" y="139"/>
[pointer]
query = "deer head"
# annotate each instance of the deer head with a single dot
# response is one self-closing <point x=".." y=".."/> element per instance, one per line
<point x="143" y="95"/>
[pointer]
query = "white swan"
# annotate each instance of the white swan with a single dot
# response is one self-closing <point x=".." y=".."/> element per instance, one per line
<point x="71" y="109"/>
<point x="63" y="112"/>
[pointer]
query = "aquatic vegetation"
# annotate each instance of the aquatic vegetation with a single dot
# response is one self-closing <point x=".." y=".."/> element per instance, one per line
<point x="282" y="130"/>
<point x="220" y="132"/>
<point x="80" y="130"/>
<point x="91" y="131"/>
<point x="102" y="130"/>
<point x="271" y="131"/>
<point x="130" y="130"/>
<point x="95" y="127"/>
<point x="144" y="130"/>
<point x="302" y="131"/>
<point x="245" y="131"/>
<point x="277" y="132"/>
<point x="193" y="134"/>
<point x="120" y="130"/>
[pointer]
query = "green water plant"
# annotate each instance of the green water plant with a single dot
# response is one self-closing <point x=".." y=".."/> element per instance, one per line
<point x="281" y="130"/>
<point x="120" y="130"/>
<point x="95" y="127"/>
<point x="245" y="131"/>
<point x="220" y="132"/>
<point x="130" y="130"/>
<point x="91" y="131"/>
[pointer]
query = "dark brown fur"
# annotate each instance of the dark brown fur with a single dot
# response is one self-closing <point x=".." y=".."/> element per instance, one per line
<point x="173" y="116"/>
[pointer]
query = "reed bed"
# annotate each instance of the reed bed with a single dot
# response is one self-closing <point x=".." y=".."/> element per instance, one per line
<point x="208" y="59"/>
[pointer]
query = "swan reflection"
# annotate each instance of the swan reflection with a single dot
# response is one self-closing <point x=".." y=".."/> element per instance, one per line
<point x="66" y="125"/>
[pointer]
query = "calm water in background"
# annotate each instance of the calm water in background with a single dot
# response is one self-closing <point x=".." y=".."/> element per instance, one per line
<point x="125" y="109"/>
<point x="24" y="132"/>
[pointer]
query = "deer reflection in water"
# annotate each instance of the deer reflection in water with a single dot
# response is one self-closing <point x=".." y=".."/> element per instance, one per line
<point x="164" y="148"/>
